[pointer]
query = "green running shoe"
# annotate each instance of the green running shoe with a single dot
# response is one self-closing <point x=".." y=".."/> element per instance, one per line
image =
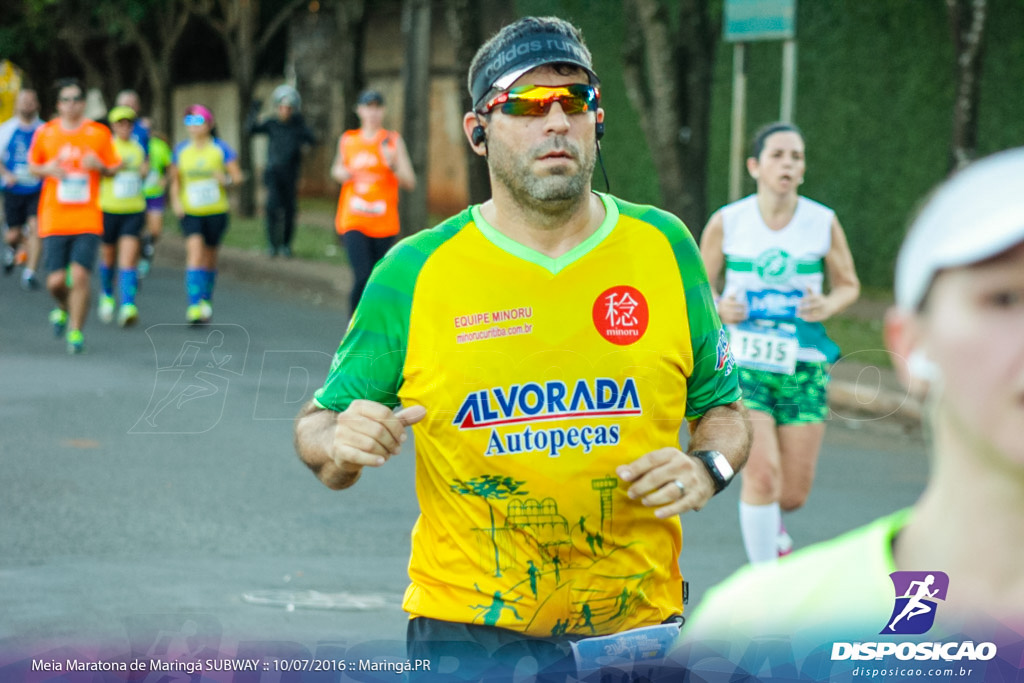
<point x="206" y="308"/>
<point x="105" y="310"/>
<point x="59" y="320"/>
<point x="194" y="314"/>
<point x="75" y="342"/>
<point x="127" y="315"/>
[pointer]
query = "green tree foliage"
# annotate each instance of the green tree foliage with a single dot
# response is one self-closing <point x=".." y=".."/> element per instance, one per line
<point x="876" y="87"/>
<point x="667" y="62"/>
<point x="25" y="31"/>
<point x="875" y="96"/>
<point x="113" y="44"/>
<point x="247" y="28"/>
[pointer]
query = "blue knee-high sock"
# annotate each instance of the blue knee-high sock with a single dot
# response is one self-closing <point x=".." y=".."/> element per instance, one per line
<point x="107" y="280"/>
<point x="210" y="279"/>
<point x="128" y="279"/>
<point x="194" y="278"/>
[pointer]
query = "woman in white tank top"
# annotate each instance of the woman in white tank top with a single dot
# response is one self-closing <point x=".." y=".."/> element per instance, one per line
<point x="777" y="249"/>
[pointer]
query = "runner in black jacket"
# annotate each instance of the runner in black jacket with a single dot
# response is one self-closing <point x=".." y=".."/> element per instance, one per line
<point x="286" y="132"/>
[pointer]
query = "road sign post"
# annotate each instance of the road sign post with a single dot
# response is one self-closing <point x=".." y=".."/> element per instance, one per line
<point x="747" y="21"/>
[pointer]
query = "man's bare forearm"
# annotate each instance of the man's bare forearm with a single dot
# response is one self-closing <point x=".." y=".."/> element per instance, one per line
<point x="314" y="433"/>
<point x="725" y="429"/>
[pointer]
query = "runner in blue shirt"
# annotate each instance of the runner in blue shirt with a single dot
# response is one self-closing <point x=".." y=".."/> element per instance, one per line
<point x="20" y="187"/>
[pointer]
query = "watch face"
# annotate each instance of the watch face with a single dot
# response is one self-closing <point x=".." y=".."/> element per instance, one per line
<point x="717" y="465"/>
<point x="724" y="468"/>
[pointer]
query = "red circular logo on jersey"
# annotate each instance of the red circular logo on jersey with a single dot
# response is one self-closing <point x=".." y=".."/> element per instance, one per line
<point x="621" y="315"/>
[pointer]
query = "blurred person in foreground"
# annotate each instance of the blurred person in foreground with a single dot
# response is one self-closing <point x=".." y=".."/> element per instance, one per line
<point x="548" y="345"/>
<point x="953" y="561"/>
<point x="287" y="134"/>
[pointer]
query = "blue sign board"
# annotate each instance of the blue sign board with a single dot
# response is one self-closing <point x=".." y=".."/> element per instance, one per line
<point x="750" y="20"/>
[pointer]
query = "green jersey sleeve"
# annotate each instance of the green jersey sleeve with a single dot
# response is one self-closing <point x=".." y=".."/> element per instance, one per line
<point x="370" y="360"/>
<point x="713" y="381"/>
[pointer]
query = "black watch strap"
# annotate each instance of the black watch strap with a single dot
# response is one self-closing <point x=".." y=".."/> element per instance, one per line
<point x="717" y="466"/>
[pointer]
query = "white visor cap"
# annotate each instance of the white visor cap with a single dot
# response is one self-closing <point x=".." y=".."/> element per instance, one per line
<point x="976" y="214"/>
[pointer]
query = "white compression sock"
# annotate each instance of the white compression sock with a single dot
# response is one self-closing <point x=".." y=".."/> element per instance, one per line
<point x="760" y="526"/>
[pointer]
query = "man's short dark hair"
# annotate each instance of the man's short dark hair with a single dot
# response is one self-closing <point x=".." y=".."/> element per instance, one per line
<point x="68" y="83"/>
<point x="528" y="42"/>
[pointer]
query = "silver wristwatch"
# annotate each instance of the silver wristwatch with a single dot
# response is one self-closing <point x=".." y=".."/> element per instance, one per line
<point x="718" y="467"/>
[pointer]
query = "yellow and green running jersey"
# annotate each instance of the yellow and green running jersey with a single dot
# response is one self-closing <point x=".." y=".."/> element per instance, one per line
<point x="540" y="376"/>
<point x="199" y="168"/>
<point x="122" y="192"/>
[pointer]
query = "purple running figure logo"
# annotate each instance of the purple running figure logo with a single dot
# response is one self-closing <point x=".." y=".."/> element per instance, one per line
<point x="917" y="596"/>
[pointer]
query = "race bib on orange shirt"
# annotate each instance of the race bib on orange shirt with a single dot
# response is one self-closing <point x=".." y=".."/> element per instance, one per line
<point x="73" y="189"/>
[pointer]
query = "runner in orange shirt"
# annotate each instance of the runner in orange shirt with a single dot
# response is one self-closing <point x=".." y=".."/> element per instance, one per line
<point x="371" y="165"/>
<point x="70" y="153"/>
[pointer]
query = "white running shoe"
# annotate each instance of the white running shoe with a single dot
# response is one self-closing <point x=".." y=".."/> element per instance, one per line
<point x="127" y="315"/>
<point x="207" y="310"/>
<point x="106" y="309"/>
<point x="783" y="541"/>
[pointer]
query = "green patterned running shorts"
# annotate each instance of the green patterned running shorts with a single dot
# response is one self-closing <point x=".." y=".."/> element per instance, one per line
<point x="799" y="398"/>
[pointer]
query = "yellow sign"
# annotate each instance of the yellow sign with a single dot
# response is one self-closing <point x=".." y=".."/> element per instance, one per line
<point x="10" y="84"/>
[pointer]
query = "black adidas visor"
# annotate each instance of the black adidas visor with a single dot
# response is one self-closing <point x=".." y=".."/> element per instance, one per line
<point x="528" y="52"/>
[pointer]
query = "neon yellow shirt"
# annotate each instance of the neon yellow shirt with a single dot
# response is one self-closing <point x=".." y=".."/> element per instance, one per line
<point x="160" y="158"/>
<point x="122" y="193"/>
<point x="827" y="588"/>
<point x="823" y="613"/>
<point x="540" y="376"/>
<point x="198" y="167"/>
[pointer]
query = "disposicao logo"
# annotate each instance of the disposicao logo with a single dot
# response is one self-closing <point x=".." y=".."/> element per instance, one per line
<point x="917" y="596"/>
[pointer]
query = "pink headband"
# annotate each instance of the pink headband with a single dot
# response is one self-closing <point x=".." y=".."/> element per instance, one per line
<point x="201" y="110"/>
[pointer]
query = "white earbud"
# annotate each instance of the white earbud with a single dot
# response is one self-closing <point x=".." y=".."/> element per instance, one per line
<point x="921" y="367"/>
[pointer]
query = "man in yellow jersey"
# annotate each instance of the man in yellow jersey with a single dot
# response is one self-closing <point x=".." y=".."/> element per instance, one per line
<point x="548" y="345"/>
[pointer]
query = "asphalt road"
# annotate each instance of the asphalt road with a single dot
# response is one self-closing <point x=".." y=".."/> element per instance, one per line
<point x="151" y="501"/>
